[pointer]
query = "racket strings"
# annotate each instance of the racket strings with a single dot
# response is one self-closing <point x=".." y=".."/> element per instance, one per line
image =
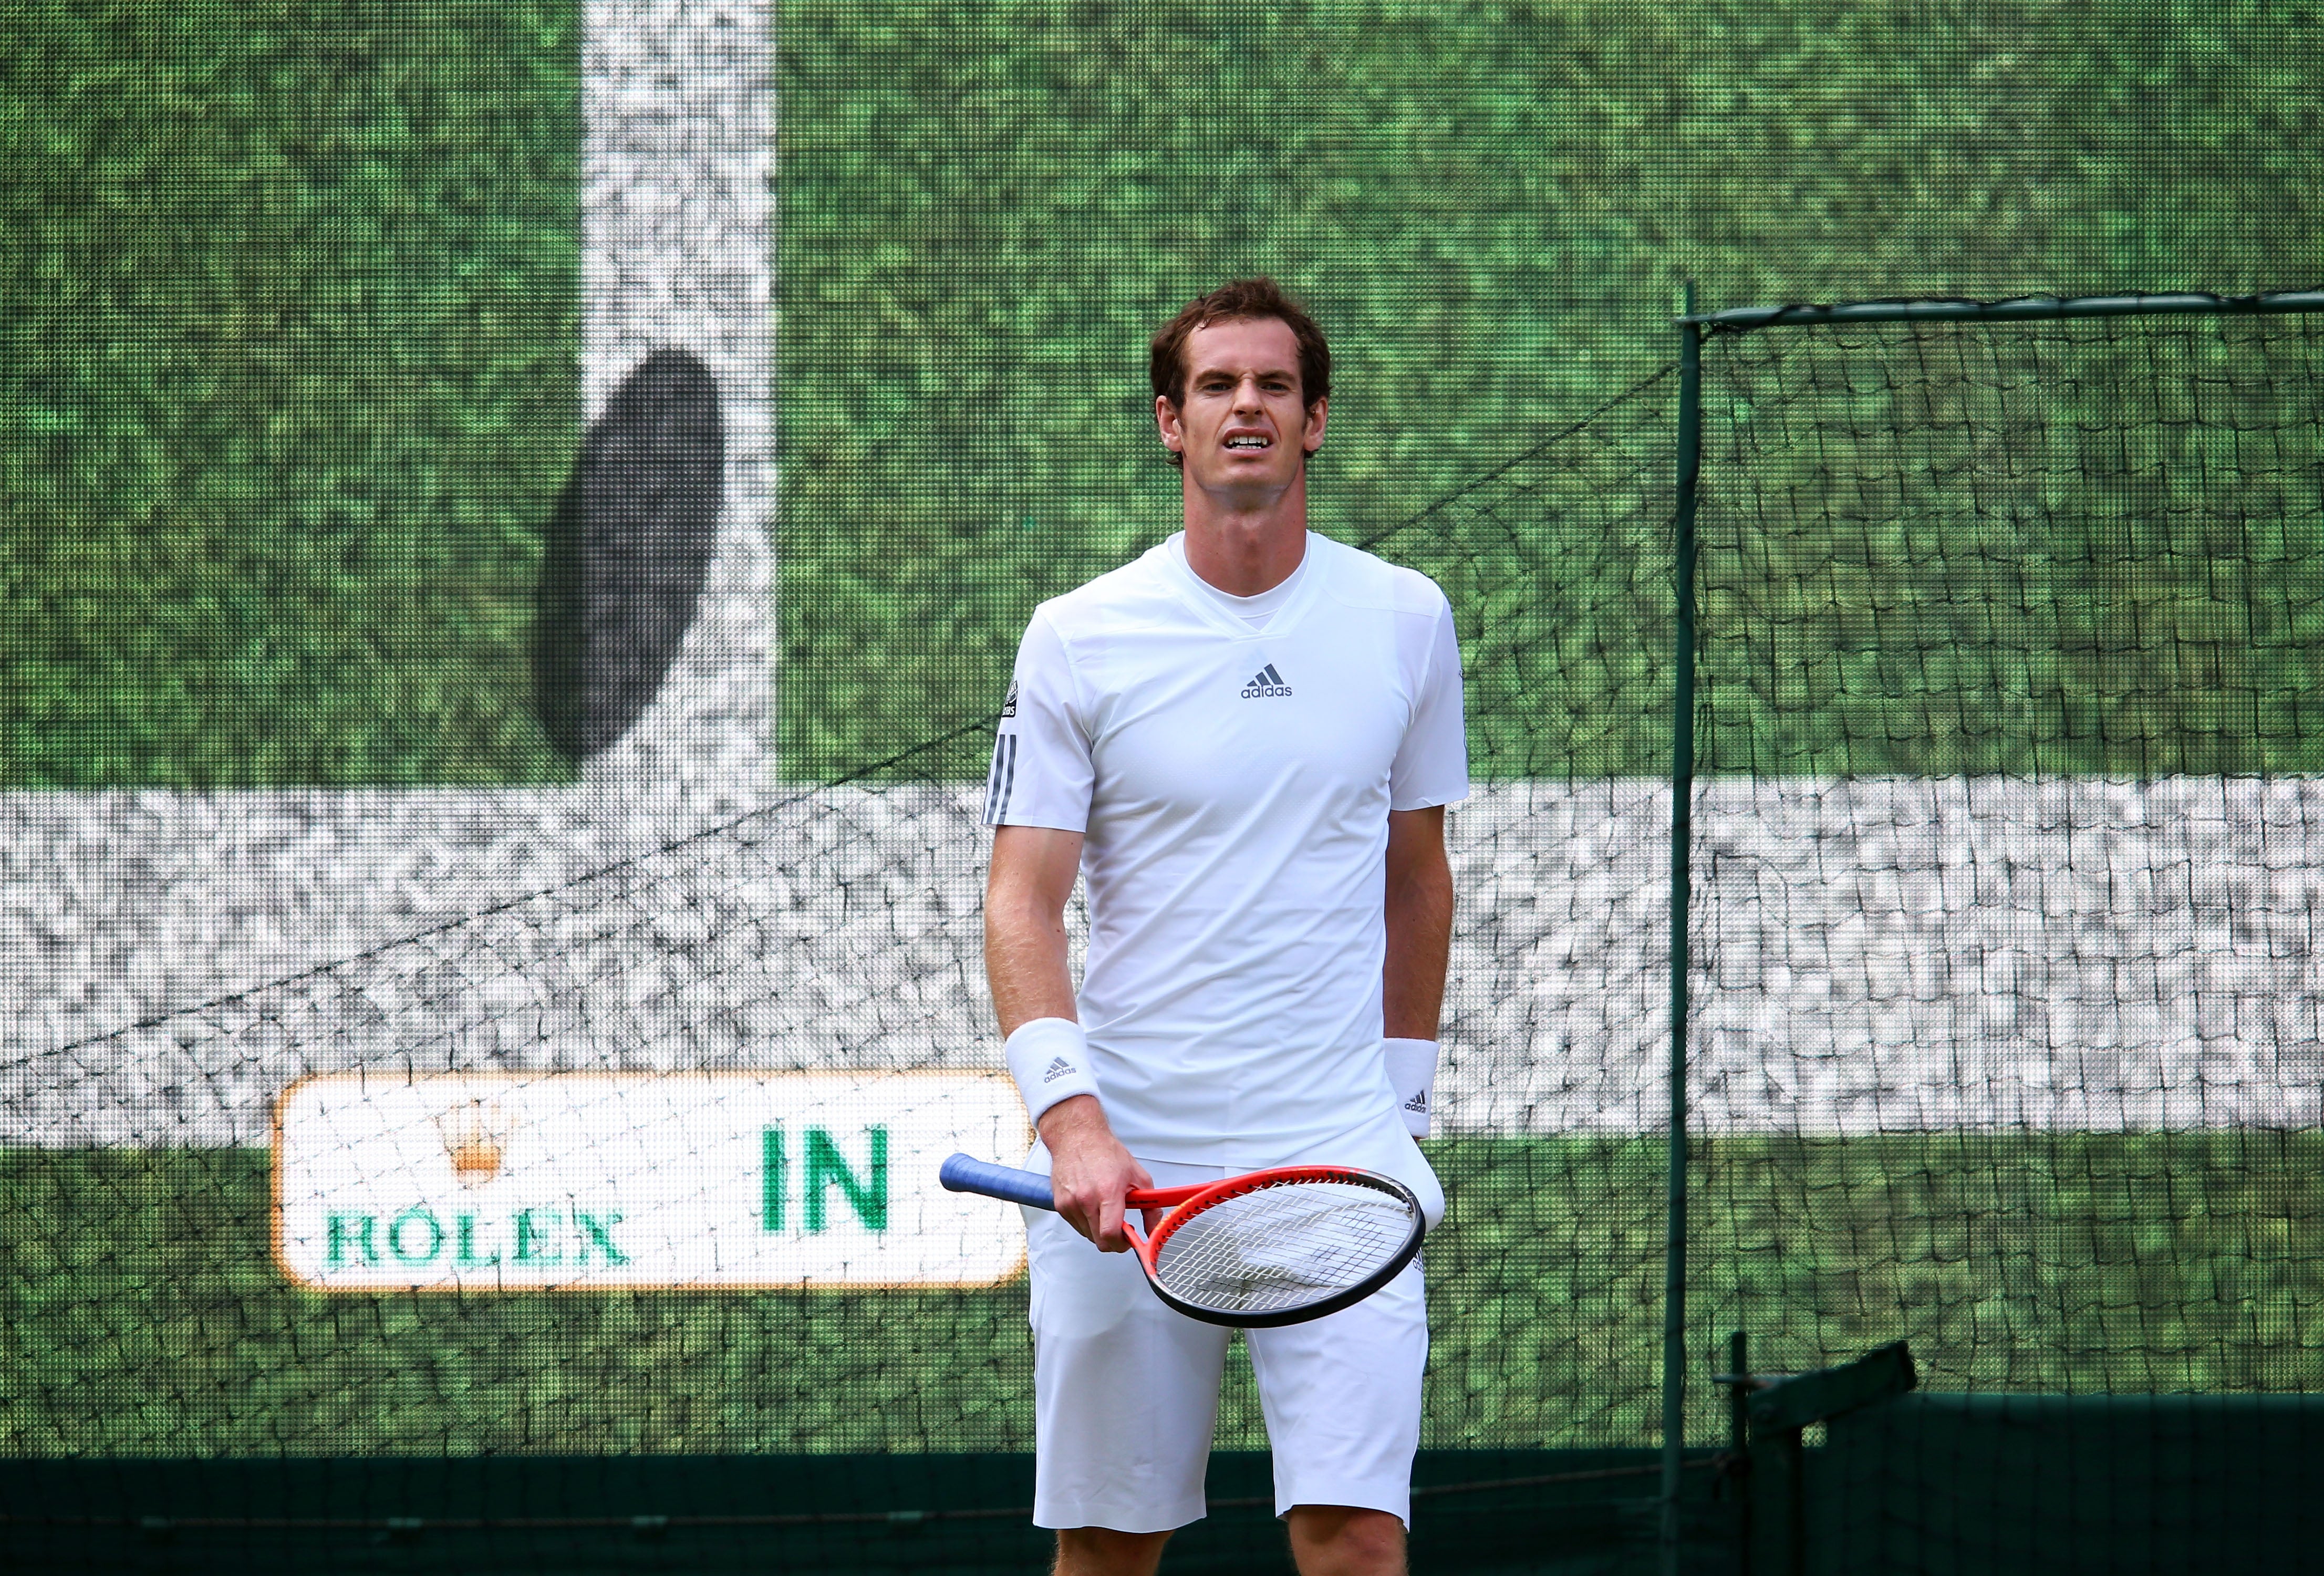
<point x="1283" y="1247"/>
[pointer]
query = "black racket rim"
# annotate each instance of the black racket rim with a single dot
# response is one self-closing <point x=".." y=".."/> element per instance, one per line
<point x="1347" y="1298"/>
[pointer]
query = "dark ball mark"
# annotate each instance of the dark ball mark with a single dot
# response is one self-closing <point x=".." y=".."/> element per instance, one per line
<point x="627" y="550"/>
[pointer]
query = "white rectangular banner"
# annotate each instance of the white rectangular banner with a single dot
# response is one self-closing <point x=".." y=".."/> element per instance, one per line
<point x="605" y="1182"/>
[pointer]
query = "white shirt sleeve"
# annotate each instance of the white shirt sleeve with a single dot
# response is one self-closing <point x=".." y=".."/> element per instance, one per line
<point x="1432" y="766"/>
<point x="1042" y="772"/>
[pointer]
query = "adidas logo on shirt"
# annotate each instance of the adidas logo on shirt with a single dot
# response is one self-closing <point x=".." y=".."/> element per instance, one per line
<point x="1059" y="1068"/>
<point x="1418" y="1103"/>
<point x="1265" y="683"/>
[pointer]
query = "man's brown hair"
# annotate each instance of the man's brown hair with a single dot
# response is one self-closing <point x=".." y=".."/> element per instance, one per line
<point x="1239" y="300"/>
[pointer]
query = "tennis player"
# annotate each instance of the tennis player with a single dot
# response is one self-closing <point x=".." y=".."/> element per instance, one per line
<point x="1245" y="741"/>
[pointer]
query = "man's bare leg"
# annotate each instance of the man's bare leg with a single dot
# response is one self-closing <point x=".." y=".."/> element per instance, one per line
<point x="1340" y="1540"/>
<point x="1100" y="1550"/>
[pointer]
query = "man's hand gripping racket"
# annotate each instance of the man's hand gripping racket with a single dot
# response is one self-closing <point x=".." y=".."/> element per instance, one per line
<point x="1274" y="1247"/>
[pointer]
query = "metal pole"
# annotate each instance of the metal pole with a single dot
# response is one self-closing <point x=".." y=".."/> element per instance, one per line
<point x="1690" y="472"/>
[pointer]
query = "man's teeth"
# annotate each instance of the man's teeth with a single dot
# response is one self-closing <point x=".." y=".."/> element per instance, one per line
<point x="1246" y="443"/>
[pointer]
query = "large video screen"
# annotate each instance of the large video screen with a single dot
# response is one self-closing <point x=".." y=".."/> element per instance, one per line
<point x="515" y="519"/>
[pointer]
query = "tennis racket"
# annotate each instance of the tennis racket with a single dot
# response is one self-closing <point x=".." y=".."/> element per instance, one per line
<point x="1270" y="1247"/>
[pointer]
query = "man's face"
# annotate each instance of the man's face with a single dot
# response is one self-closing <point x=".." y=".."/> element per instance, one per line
<point x="1243" y="429"/>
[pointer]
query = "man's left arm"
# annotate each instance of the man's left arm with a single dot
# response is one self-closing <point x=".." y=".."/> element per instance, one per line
<point x="1419" y="923"/>
<point x="1431" y="770"/>
<point x="1419" y="912"/>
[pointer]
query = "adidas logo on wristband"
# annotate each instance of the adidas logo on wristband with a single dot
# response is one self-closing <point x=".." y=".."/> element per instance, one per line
<point x="1049" y="1059"/>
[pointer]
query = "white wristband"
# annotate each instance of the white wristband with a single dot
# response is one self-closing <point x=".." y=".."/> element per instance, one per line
<point x="1412" y="1074"/>
<point x="1049" y="1058"/>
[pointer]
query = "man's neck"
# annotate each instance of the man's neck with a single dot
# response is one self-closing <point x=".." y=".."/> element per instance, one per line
<point x="1244" y="553"/>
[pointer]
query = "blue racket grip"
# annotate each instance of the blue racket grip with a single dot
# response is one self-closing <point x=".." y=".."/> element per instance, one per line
<point x="968" y="1174"/>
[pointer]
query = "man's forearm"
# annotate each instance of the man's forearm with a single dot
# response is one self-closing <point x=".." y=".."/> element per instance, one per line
<point x="1419" y="948"/>
<point x="1025" y="964"/>
<point x="1025" y="960"/>
<point x="1032" y="877"/>
<point x="1419" y="915"/>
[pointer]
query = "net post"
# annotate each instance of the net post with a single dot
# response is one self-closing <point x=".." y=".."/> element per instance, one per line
<point x="1689" y="470"/>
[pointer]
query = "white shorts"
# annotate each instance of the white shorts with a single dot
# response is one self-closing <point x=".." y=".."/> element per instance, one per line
<point x="1126" y="1389"/>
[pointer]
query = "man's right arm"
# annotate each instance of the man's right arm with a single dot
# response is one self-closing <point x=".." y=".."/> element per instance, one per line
<point x="1025" y="897"/>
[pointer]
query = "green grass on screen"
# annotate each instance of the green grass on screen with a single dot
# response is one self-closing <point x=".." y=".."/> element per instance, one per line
<point x="289" y="384"/>
<point x="288" y="308"/>
<point x="2088" y="547"/>
<point x="984" y="213"/>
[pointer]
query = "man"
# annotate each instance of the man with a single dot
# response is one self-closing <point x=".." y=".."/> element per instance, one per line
<point x="1245" y="738"/>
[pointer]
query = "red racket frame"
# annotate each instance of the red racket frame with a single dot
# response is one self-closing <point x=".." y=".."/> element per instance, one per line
<point x="1186" y="1202"/>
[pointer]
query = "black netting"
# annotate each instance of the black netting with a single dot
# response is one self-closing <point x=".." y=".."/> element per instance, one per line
<point x="2006" y="1033"/>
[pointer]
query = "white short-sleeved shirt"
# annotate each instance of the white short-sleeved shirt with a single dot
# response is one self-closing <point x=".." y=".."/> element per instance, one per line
<point x="1233" y="786"/>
